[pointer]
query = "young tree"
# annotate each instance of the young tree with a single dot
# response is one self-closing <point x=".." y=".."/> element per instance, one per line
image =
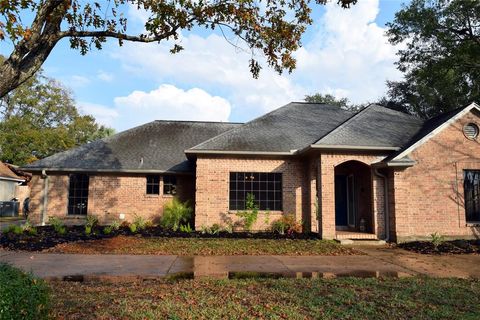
<point x="40" y="118"/>
<point x="273" y="27"/>
<point x="441" y="62"/>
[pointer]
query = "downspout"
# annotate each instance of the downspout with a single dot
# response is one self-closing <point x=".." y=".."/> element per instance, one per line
<point x="45" y="197"/>
<point x="385" y="197"/>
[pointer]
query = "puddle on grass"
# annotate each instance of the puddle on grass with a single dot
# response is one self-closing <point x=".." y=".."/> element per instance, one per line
<point x="236" y="275"/>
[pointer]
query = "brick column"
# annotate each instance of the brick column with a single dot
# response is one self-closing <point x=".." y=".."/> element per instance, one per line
<point x="326" y="199"/>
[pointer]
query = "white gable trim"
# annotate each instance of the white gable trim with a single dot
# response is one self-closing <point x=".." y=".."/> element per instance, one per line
<point x="437" y="130"/>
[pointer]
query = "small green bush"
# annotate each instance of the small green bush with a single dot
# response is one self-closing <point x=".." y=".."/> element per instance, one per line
<point x="176" y="213"/>
<point x="29" y="228"/>
<point x="22" y="296"/>
<point x="251" y="214"/>
<point x="186" y="228"/>
<point x="133" y="227"/>
<point x="90" y="223"/>
<point x="57" y="225"/>
<point x="13" y="228"/>
<point x="437" y="239"/>
<point x="114" y="226"/>
<point x="286" y="224"/>
<point x="216" y="228"/>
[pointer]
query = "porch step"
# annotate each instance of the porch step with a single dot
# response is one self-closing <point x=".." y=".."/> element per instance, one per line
<point x="361" y="242"/>
<point x="351" y="235"/>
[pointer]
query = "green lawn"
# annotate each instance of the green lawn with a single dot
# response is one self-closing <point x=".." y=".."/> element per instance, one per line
<point x="206" y="247"/>
<point x="348" y="298"/>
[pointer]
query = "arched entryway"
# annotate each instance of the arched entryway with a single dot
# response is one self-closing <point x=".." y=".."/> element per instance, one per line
<point x="353" y="197"/>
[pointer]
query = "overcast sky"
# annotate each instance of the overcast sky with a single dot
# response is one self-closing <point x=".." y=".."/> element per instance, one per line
<point x="345" y="53"/>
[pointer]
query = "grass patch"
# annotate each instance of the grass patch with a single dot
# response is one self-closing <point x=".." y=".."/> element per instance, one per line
<point x="22" y="296"/>
<point x="205" y="247"/>
<point x="349" y="298"/>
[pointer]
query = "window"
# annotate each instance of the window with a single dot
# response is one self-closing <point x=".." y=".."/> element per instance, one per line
<point x="153" y="184"/>
<point x="170" y="185"/>
<point x="471" y="185"/>
<point x="265" y="187"/>
<point x="78" y="194"/>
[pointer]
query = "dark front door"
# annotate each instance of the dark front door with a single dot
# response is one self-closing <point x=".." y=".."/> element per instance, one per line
<point x="341" y="203"/>
<point x="78" y="194"/>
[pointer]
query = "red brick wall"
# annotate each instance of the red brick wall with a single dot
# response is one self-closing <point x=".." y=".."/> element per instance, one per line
<point x="328" y="162"/>
<point x="212" y="188"/>
<point x="429" y="195"/>
<point x="109" y="196"/>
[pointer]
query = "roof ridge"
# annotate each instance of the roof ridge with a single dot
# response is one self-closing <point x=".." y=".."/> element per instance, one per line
<point x="344" y="123"/>
<point x="194" y="121"/>
<point x="396" y="111"/>
<point x="237" y="128"/>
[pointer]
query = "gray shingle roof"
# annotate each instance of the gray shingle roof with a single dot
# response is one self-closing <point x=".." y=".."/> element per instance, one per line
<point x="155" y="146"/>
<point x="428" y="126"/>
<point x="291" y="127"/>
<point x="374" y="126"/>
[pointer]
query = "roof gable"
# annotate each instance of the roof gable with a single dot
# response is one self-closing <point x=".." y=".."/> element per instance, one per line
<point x="431" y="128"/>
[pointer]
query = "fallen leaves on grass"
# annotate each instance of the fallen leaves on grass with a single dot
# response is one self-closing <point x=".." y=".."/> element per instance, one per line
<point x="347" y="298"/>
<point x="204" y="247"/>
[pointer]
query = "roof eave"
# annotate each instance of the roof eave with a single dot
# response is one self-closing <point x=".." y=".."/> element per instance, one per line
<point x="136" y="171"/>
<point x="241" y="152"/>
<point x="349" y="147"/>
<point x="12" y="179"/>
<point x="394" y="164"/>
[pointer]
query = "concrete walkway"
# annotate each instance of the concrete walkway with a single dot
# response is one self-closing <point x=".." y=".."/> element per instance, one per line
<point x="378" y="262"/>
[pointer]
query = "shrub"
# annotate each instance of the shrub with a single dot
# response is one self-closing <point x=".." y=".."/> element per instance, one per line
<point x="139" y="223"/>
<point x="90" y="224"/>
<point x="13" y="228"/>
<point x="437" y="239"/>
<point x="176" y="213"/>
<point x="215" y="229"/>
<point x="287" y="224"/>
<point x="251" y="214"/>
<point x="186" y="228"/>
<point x="22" y="296"/>
<point x="107" y="229"/>
<point x="114" y="226"/>
<point x="29" y="228"/>
<point x="57" y="225"/>
<point x="133" y="227"/>
<point x="205" y="230"/>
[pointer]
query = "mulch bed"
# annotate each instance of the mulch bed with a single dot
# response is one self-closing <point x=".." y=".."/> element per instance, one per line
<point x="447" y="247"/>
<point x="46" y="237"/>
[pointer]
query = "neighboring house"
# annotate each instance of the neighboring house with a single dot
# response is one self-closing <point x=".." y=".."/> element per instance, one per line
<point x="8" y="183"/>
<point x="10" y="189"/>
<point x="380" y="172"/>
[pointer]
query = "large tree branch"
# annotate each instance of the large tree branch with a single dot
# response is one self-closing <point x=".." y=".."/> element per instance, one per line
<point x="117" y="35"/>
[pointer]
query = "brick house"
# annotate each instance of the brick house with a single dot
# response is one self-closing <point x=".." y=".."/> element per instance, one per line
<point x="377" y="173"/>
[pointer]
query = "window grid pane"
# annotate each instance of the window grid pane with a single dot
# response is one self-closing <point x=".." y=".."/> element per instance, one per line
<point x="153" y="184"/>
<point x="471" y="186"/>
<point x="266" y="188"/>
<point x="78" y="194"/>
<point x="169" y="185"/>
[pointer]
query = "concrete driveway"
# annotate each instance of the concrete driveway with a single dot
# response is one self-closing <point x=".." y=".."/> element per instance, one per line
<point x="378" y="262"/>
